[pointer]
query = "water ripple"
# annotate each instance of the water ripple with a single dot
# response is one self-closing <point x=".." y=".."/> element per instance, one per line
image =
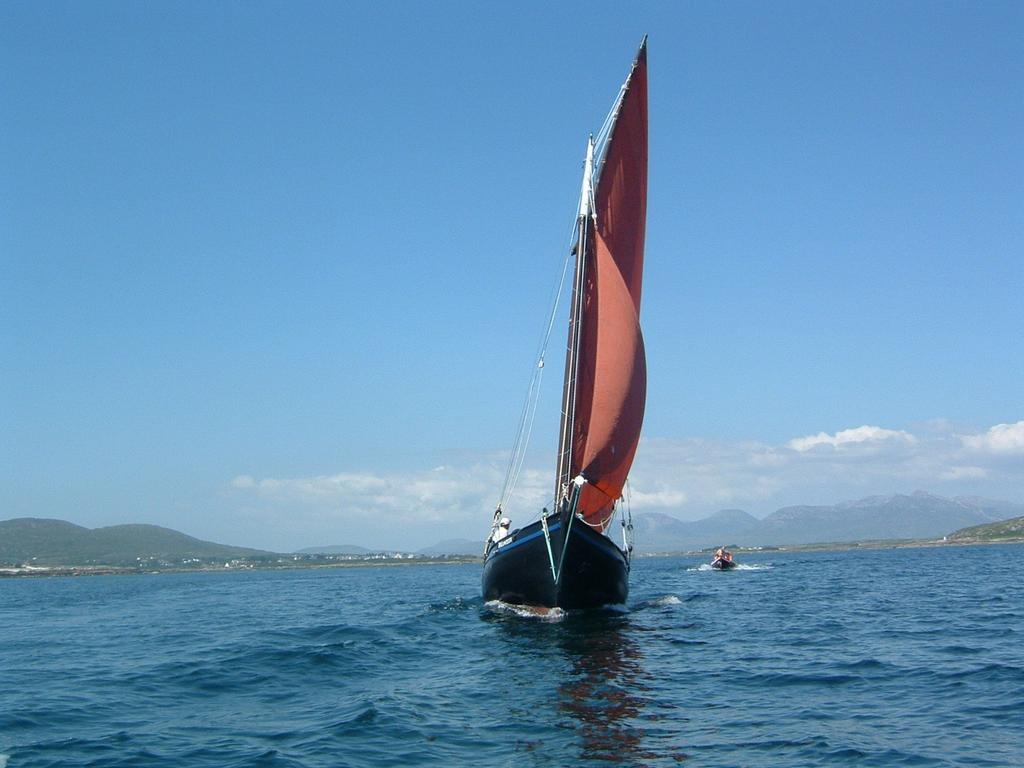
<point x="817" y="659"/>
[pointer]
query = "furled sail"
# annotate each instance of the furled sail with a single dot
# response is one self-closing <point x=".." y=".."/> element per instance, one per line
<point x="611" y="373"/>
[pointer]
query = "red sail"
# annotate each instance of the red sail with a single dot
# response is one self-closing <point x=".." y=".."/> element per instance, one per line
<point x="612" y="375"/>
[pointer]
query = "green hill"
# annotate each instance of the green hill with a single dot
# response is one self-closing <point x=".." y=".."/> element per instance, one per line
<point x="57" y="542"/>
<point x="1002" y="531"/>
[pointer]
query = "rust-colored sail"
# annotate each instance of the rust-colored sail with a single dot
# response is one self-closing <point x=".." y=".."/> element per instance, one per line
<point x="611" y="380"/>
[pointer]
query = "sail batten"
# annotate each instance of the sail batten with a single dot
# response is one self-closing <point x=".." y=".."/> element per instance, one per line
<point x="610" y="369"/>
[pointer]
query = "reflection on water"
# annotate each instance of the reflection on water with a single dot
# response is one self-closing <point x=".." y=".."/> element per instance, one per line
<point x="603" y="687"/>
<point x="605" y="692"/>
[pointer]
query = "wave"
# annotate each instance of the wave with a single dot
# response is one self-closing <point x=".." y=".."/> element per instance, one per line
<point x="987" y="673"/>
<point x="813" y="664"/>
<point x="739" y="567"/>
<point x="660" y="601"/>
<point x="960" y="650"/>
<point x="456" y="604"/>
<point x="863" y="664"/>
<point x="790" y="679"/>
<point x="325" y="635"/>
<point x="526" y="611"/>
<point x="553" y="614"/>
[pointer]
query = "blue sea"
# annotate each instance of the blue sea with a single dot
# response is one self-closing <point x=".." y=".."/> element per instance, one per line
<point x="910" y="657"/>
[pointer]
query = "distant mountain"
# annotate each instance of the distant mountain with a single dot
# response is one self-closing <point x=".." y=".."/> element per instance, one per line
<point x="1000" y="531"/>
<point x="919" y="515"/>
<point x="58" y="542"/>
<point x="335" y="549"/>
<point x="454" y="547"/>
<point x="916" y="516"/>
<point x="657" y="532"/>
<point x="1002" y="509"/>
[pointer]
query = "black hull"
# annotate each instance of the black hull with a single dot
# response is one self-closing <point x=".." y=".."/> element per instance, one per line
<point x="723" y="565"/>
<point x="593" y="573"/>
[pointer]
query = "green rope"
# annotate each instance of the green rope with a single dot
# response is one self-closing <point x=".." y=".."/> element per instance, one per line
<point x="568" y="529"/>
<point x="547" y="540"/>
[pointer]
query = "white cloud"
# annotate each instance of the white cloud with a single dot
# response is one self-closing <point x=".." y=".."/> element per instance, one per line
<point x="653" y="499"/>
<point x="1002" y="438"/>
<point x="822" y="468"/>
<point x="699" y="476"/>
<point x="864" y="434"/>
<point x="965" y="473"/>
<point x="430" y="494"/>
<point x="689" y="478"/>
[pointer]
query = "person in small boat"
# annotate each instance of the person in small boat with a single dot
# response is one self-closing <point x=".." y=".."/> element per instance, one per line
<point x="502" y="530"/>
<point x="723" y="554"/>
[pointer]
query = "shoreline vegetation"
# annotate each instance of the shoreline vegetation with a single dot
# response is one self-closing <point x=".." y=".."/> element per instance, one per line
<point x="33" y="547"/>
<point x="282" y="563"/>
<point x="303" y="562"/>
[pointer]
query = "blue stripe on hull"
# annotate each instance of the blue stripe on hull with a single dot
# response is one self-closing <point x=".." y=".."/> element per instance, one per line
<point x="522" y="540"/>
<point x="595" y="571"/>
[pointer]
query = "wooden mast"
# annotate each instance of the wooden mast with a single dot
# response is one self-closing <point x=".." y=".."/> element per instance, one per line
<point x="575" y="315"/>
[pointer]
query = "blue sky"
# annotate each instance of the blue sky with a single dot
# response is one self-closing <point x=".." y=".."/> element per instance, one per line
<point x="275" y="273"/>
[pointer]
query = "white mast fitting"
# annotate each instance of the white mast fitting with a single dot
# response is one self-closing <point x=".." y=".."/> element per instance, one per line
<point x="587" y="191"/>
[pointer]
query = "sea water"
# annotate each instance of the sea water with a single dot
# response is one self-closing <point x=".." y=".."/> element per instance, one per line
<point x="906" y="657"/>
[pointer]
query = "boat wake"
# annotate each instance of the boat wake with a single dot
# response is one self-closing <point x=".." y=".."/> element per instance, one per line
<point x="537" y="612"/>
<point x="737" y="567"/>
<point x="658" y="602"/>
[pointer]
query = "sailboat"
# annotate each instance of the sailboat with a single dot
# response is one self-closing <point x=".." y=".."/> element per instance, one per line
<point x="567" y="559"/>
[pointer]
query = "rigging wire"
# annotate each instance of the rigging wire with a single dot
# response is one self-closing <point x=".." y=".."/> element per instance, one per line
<point x="627" y="522"/>
<point x="525" y="428"/>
